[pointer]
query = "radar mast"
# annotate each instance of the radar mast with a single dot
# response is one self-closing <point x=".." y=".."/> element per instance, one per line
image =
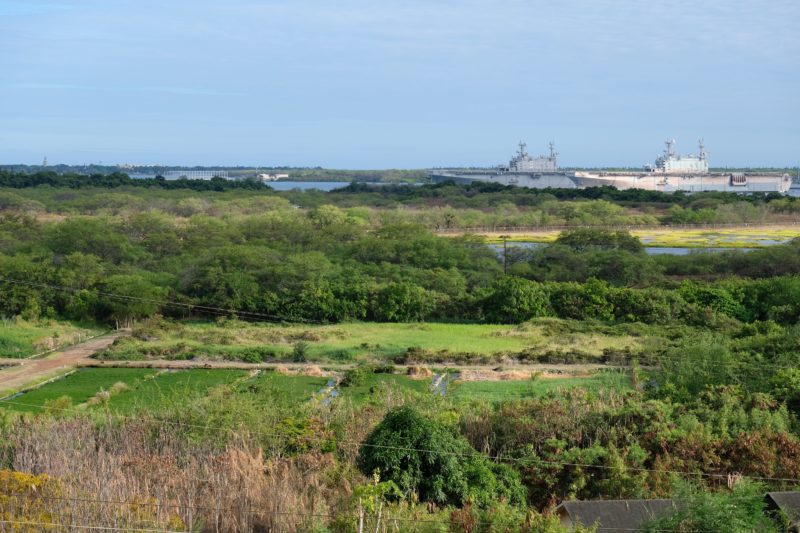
<point x="670" y="150"/>
<point x="553" y="153"/>
<point x="702" y="146"/>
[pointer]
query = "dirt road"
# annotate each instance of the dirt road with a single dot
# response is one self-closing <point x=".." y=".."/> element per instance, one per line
<point x="32" y="371"/>
<point x="469" y="372"/>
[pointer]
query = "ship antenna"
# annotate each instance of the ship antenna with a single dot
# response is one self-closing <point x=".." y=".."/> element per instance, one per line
<point x="522" y="147"/>
<point x="669" y="152"/>
<point x="702" y="146"/>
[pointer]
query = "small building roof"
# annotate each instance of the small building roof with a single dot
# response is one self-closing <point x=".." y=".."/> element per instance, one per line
<point x="788" y="502"/>
<point x="613" y="514"/>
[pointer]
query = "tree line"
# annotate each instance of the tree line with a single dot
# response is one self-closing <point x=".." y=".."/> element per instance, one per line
<point x="324" y="266"/>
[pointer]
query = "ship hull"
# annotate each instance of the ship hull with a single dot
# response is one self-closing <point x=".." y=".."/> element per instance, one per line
<point x="533" y="180"/>
<point x="687" y="183"/>
<point x="647" y="181"/>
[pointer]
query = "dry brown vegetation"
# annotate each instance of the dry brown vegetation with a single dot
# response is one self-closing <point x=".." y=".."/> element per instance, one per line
<point x="141" y="475"/>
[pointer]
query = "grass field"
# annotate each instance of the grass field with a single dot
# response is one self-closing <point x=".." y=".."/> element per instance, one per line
<point x="144" y="388"/>
<point x="78" y="386"/>
<point x="21" y="338"/>
<point x="171" y="387"/>
<point x="291" y="388"/>
<point x="375" y="384"/>
<point x="349" y="342"/>
<point x="496" y="391"/>
<point x="149" y="389"/>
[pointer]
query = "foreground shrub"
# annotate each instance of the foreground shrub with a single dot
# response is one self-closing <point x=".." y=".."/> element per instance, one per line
<point x="426" y="458"/>
<point x="742" y="509"/>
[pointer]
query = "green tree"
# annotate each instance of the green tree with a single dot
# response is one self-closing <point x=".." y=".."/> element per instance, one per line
<point x="515" y="300"/>
<point x="427" y="458"/>
<point x="129" y="297"/>
<point x="93" y="236"/>
<point x="402" y="302"/>
<point x="584" y="238"/>
<point x="590" y="300"/>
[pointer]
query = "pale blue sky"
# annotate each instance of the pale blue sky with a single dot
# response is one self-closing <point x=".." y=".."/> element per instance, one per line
<point x="411" y="83"/>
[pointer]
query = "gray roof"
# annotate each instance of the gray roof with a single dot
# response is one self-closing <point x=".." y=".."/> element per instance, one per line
<point x="612" y="514"/>
<point x="788" y="502"/>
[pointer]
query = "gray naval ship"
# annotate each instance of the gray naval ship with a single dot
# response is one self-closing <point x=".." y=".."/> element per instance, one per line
<point x="673" y="172"/>
<point x="670" y="173"/>
<point x="523" y="171"/>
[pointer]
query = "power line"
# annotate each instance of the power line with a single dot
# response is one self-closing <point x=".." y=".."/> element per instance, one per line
<point x="166" y="303"/>
<point x="221" y="311"/>
<point x="239" y="312"/>
<point x="96" y="528"/>
<point x="498" y="458"/>
<point x="387" y="518"/>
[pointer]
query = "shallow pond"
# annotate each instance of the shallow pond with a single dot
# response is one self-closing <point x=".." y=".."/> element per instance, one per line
<point x="651" y="250"/>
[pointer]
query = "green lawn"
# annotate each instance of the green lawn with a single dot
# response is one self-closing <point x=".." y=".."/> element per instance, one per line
<point x="373" y="385"/>
<point x="22" y="338"/>
<point x="496" y="391"/>
<point x="78" y="386"/>
<point x="171" y="386"/>
<point x="361" y="340"/>
<point x="292" y="388"/>
<point x="146" y="388"/>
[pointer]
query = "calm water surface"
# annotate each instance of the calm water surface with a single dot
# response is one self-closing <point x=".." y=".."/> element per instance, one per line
<point x="307" y="185"/>
<point x="651" y="250"/>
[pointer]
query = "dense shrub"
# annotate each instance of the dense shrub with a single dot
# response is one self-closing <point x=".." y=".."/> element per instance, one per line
<point x="515" y="300"/>
<point x="426" y="458"/>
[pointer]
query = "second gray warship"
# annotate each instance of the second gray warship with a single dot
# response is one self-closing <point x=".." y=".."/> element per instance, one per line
<point x="523" y="170"/>
<point x="673" y="172"/>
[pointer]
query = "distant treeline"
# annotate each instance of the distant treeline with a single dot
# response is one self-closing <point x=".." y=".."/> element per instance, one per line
<point x="22" y="180"/>
<point x="295" y="173"/>
<point x="323" y="265"/>
<point x="449" y="189"/>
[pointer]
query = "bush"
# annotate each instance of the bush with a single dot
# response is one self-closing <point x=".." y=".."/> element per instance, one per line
<point x="515" y="300"/>
<point x="583" y="238"/>
<point x="299" y="352"/>
<point x="742" y="509"/>
<point x="341" y="355"/>
<point x="582" y="301"/>
<point x="426" y="458"/>
<point x="355" y="376"/>
<point x="384" y="369"/>
<point x="256" y="355"/>
<point x="402" y="302"/>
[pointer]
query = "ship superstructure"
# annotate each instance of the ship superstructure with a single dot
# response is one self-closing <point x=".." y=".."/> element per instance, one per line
<point x="672" y="163"/>
<point x="671" y="172"/>
<point x="523" y="162"/>
<point x="522" y="170"/>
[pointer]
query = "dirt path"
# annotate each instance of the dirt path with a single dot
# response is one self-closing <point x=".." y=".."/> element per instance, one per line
<point x="31" y="371"/>
<point x="469" y="372"/>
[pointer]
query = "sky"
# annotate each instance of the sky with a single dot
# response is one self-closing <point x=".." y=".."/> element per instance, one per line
<point x="397" y="83"/>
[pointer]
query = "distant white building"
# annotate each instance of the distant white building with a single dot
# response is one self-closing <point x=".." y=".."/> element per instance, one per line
<point x="273" y="177"/>
<point x="196" y="174"/>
